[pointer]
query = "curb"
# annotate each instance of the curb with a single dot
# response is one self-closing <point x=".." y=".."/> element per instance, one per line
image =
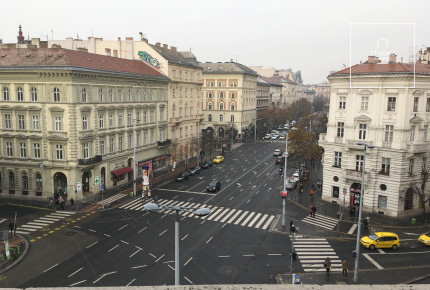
<point x="20" y="256"/>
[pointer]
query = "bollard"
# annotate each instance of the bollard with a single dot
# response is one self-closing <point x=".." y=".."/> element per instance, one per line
<point x="414" y="221"/>
<point x="131" y="194"/>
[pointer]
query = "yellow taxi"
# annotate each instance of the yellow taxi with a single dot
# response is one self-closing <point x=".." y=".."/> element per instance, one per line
<point x="218" y="159"/>
<point x="381" y="240"/>
<point x="424" y="239"/>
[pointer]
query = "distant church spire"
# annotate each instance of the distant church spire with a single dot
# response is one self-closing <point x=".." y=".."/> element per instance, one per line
<point x="20" y="36"/>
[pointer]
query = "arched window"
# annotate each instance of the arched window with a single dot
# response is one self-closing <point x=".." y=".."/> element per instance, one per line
<point x="210" y="106"/>
<point x="6" y="94"/>
<point x="232" y="118"/>
<point x="38" y="181"/>
<point x="84" y="95"/>
<point x="232" y="107"/>
<point x="221" y="106"/>
<point x="210" y="118"/>
<point x="11" y="180"/>
<point x="33" y="92"/>
<point x="56" y="95"/>
<point x="19" y="94"/>
<point x="110" y="96"/>
<point x="210" y="95"/>
<point x="24" y="180"/>
<point x="101" y="95"/>
<point x="221" y="95"/>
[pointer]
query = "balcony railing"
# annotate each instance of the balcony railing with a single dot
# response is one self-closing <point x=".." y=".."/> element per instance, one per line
<point x="89" y="161"/>
<point x="164" y="143"/>
<point x="355" y="175"/>
<point x="417" y="148"/>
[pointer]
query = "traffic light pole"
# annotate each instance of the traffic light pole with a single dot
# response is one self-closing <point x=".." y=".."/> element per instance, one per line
<point x="285" y="179"/>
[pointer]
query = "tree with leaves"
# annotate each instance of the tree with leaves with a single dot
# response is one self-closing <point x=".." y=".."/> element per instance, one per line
<point x="420" y="188"/>
<point x="302" y="146"/>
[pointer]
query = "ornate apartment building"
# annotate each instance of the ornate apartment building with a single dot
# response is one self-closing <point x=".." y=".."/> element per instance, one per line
<point x="229" y="99"/>
<point x="386" y="106"/>
<point x="70" y="121"/>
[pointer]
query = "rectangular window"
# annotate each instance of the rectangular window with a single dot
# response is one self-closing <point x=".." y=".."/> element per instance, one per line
<point x="137" y="139"/>
<point x="336" y="191"/>
<point x="152" y="117"/>
<point x="111" y="145"/>
<point x="359" y="159"/>
<point x="416" y="104"/>
<point x="337" y="159"/>
<point x="411" y="167"/>
<point x="389" y="133"/>
<point x="428" y="105"/>
<point x="161" y="135"/>
<point x="102" y="121"/>
<point x="130" y="141"/>
<point x="19" y="94"/>
<point x="6" y="94"/>
<point x="424" y="165"/>
<point x="382" y="201"/>
<point x="7" y="121"/>
<point x="138" y="117"/>
<point x="342" y="102"/>
<point x="385" y="166"/>
<point x="84" y="122"/>
<point x="21" y="122"/>
<point x="412" y="133"/>
<point x="102" y="147"/>
<point x="23" y="150"/>
<point x="426" y="129"/>
<point x="340" y="129"/>
<point x="362" y="131"/>
<point x="145" y="117"/>
<point x="145" y="138"/>
<point x="33" y="93"/>
<point x="111" y="123"/>
<point x="152" y="136"/>
<point x="129" y="119"/>
<point x="59" y="151"/>
<point x="35" y="122"/>
<point x="120" y="143"/>
<point x="120" y="124"/>
<point x="57" y="123"/>
<point x="391" y="104"/>
<point x="9" y="149"/>
<point x="364" y="103"/>
<point x="86" y="150"/>
<point x="36" y="150"/>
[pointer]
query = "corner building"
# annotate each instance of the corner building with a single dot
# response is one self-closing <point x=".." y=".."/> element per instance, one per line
<point x="382" y="105"/>
<point x="70" y="121"/>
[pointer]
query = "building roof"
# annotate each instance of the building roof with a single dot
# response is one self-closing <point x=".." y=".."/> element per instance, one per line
<point x="277" y="80"/>
<point x="387" y="68"/>
<point x="173" y="56"/>
<point x="65" y="58"/>
<point x="226" y="68"/>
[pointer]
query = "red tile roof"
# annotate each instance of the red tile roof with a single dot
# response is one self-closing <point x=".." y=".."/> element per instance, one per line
<point x="59" y="57"/>
<point x="385" y="68"/>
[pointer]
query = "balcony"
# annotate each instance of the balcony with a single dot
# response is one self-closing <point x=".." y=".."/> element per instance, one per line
<point x="352" y="144"/>
<point x="355" y="175"/>
<point x="417" y="148"/>
<point x="162" y="144"/>
<point x="90" y="161"/>
<point x="176" y="120"/>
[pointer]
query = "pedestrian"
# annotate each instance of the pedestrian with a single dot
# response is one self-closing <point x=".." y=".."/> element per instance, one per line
<point x="344" y="268"/>
<point x="12" y="226"/>
<point x="293" y="231"/>
<point x="310" y="210"/>
<point x="281" y="169"/>
<point x="366" y="224"/>
<point x="62" y="203"/>
<point x="143" y="196"/>
<point x="314" y="210"/>
<point x="72" y="203"/>
<point x="156" y="198"/>
<point x="301" y="187"/>
<point x="313" y="190"/>
<point x="50" y="203"/>
<point x="291" y="224"/>
<point x="57" y="204"/>
<point x="327" y="265"/>
<point x="352" y="212"/>
<point x="294" y="256"/>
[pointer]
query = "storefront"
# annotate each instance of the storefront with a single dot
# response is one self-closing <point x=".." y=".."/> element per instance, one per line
<point x="120" y="174"/>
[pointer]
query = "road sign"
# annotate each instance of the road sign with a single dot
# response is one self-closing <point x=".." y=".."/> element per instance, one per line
<point x="344" y="191"/>
<point x="102" y="187"/>
<point x="284" y="193"/>
<point x="96" y="180"/>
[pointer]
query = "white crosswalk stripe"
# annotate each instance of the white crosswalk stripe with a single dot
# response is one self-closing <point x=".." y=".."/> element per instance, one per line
<point x="218" y="214"/>
<point x="112" y="199"/>
<point x="313" y="252"/>
<point x="321" y="221"/>
<point x="42" y="222"/>
<point x="2" y="220"/>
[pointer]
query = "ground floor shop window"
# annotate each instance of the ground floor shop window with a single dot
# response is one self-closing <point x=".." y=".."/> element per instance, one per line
<point x="382" y="201"/>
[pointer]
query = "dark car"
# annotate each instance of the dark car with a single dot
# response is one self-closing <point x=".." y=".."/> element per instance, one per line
<point x="207" y="164"/>
<point x="183" y="176"/>
<point x="280" y="160"/>
<point x="195" y="170"/>
<point x="214" y="186"/>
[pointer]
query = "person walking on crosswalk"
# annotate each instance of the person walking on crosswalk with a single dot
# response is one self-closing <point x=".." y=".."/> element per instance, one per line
<point x="344" y="268"/>
<point x="310" y="210"/>
<point x="327" y="265"/>
<point x="314" y="210"/>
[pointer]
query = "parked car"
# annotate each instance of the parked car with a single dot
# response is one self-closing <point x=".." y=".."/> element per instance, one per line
<point x="183" y="176"/>
<point x="214" y="186"/>
<point x="207" y="164"/>
<point x="381" y="240"/>
<point x="424" y="239"/>
<point x="274" y="137"/>
<point x="296" y="177"/>
<point x="290" y="183"/>
<point x="277" y="152"/>
<point x="267" y="136"/>
<point x="195" y="170"/>
<point x="218" y="159"/>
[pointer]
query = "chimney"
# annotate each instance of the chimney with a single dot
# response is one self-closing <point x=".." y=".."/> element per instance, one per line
<point x="173" y="48"/>
<point x="158" y="44"/>
<point x="143" y="37"/>
<point x="165" y="46"/>
<point x="119" y="38"/>
<point x="392" y="58"/>
<point x="129" y="38"/>
<point x="371" y="59"/>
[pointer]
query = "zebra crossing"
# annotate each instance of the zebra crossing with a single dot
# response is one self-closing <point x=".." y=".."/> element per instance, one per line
<point x="272" y="141"/>
<point x="218" y="214"/>
<point x="2" y="220"/>
<point x="112" y="199"/>
<point x="312" y="253"/>
<point x="321" y="221"/>
<point x="42" y="222"/>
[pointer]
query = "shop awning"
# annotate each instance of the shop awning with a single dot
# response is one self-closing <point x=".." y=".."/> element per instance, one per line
<point x="122" y="171"/>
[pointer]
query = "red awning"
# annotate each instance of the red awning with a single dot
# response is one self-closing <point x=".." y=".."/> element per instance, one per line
<point x="122" y="171"/>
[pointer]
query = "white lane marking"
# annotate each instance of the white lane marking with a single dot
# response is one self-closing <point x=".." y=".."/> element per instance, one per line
<point x="248" y="255"/>
<point x="188" y="261"/>
<point x="254" y="220"/>
<point x="92" y="244"/>
<point x="153" y="255"/>
<point x="352" y="229"/>
<point x="228" y="256"/>
<point x="268" y="222"/>
<point x="248" y="200"/>
<point x="134" y="253"/>
<point x="138" y="248"/>
<point x="78" y="227"/>
<point x="248" y="218"/>
<point x="188" y="280"/>
<point x="162" y="232"/>
<point x="91" y="230"/>
<point x="171" y="267"/>
<point x="167" y="262"/>
<point x="209" y="240"/>
<point x="241" y="190"/>
<point x="257" y="192"/>
<point x="74" y="284"/>
<point x="122" y="227"/>
<point x="231" y="198"/>
<point x="50" y="268"/>
<point x="373" y="262"/>
<point x="103" y="276"/>
<point x="141" y="230"/>
<point x="211" y="216"/>
<point x="221" y="214"/>
<point x="130" y="283"/>
<point x="231" y="211"/>
<point x="107" y="235"/>
<point x="75" y="272"/>
<point x="36" y="223"/>
<point x="261" y="221"/>
<point x="381" y="251"/>
<point x="113" y="248"/>
<point x="241" y="217"/>
<point x="184" y="237"/>
<point x="274" y="254"/>
<point x="159" y="258"/>
<point x="124" y="242"/>
<point x="137" y="267"/>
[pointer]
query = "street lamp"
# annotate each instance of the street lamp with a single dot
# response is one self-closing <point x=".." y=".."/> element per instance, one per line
<point x="202" y="211"/>
<point x="134" y="157"/>
<point x="285" y="179"/>
<point x="360" y="209"/>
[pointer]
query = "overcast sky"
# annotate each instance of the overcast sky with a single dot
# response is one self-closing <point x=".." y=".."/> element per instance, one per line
<point x="311" y="36"/>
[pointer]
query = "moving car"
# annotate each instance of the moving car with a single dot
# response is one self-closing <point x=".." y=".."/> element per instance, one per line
<point x="290" y="183"/>
<point x="267" y="136"/>
<point x="183" y="176"/>
<point x="218" y="159"/>
<point x="195" y="170"/>
<point x="207" y="164"/>
<point x="296" y="177"/>
<point x="280" y="160"/>
<point x="214" y="186"/>
<point x="424" y="239"/>
<point x="277" y="152"/>
<point x="381" y="240"/>
<point x="274" y="137"/>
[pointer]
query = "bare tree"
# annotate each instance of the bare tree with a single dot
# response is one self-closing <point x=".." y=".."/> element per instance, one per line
<point x="419" y="187"/>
